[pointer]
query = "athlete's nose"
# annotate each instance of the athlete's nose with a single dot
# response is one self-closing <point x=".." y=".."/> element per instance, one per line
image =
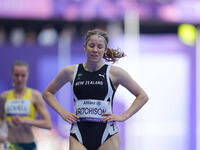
<point x="95" y="49"/>
<point x="19" y="78"/>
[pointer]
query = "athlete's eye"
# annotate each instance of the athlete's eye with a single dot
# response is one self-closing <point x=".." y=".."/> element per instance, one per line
<point x="17" y="75"/>
<point x="91" y="45"/>
<point x="100" y="46"/>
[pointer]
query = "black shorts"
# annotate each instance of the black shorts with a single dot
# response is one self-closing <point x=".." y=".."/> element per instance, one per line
<point x="93" y="134"/>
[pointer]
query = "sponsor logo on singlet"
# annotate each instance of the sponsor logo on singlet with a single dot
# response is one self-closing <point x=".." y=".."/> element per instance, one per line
<point x="101" y="75"/>
<point x="17" y="107"/>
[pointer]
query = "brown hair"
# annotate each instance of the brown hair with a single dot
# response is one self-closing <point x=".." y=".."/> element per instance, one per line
<point x="111" y="55"/>
<point x="19" y="63"/>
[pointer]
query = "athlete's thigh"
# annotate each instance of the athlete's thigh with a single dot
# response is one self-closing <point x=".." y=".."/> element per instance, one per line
<point x="75" y="145"/>
<point x="113" y="143"/>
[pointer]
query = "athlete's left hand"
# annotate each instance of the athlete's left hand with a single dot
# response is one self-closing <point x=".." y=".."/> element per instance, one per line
<point x="113" y="117"/>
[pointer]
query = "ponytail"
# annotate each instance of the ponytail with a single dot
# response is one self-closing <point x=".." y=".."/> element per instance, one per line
<point x="112" y="55"/>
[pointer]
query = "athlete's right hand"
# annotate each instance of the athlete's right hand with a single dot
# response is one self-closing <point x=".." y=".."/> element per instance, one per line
<point x="69" y="117"/>
<point x="16" y="120"/>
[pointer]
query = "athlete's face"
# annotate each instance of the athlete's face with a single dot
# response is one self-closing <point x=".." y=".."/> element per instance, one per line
<point x="19" y="75"/>
<point x="95" y="48"/>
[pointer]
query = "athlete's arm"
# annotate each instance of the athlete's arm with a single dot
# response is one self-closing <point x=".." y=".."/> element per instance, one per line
<point x="44" y="122"/>
<point x="2" y="102"/>
<point x="121" y="77"/>
<point x="64" y="76"/>
<point x="2" y="119"/>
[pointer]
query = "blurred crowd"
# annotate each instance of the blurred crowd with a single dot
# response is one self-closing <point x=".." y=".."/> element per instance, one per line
<point x="41" y="32"/>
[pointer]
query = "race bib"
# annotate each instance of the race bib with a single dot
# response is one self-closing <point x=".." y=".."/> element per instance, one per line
<point x="19" y="107"/>
<point x="91" y="110"/>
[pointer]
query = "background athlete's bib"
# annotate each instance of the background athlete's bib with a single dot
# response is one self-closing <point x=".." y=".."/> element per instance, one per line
<point x="19" y="107"/>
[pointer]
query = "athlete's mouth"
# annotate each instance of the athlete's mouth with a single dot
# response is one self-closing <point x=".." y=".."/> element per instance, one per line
<point x="94" y="55"/>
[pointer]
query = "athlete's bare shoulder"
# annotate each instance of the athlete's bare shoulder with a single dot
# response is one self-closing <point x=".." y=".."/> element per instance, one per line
<point x="35" y="92"/>
<point x="119" y="75"/>
<point x="69" y="68"/>
<point x="67" y="73"/>
<point x="64" y="75"/>
<point x="116" y="70"/>
<point x="36" y="96"/>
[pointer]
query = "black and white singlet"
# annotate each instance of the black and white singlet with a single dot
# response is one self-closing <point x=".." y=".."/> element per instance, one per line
<point x="93" y="95"/>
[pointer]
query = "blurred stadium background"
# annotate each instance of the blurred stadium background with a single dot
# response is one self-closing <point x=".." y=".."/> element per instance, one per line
<point x="160" y="38"/>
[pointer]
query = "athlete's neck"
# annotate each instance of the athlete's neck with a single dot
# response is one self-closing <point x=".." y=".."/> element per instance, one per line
<point x="92" y="66"/>
<point x="20" y="90"/>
